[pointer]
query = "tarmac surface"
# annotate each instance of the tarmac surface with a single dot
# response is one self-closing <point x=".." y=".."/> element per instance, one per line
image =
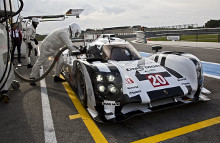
<point x="22" y="120"/>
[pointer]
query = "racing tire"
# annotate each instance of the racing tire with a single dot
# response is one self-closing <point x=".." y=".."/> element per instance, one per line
<point x="81" y="86"/>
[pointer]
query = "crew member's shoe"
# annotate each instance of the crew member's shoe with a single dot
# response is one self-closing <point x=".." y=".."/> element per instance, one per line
<point x="32" y="83"/>
<point x="58" y="79"/>
<point x="29" y="66"/>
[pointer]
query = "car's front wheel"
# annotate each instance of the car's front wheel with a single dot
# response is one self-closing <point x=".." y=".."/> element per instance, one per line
<point x="81" y="85"/>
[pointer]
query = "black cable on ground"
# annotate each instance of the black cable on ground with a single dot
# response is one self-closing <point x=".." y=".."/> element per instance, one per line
<point x="56" y="58"/>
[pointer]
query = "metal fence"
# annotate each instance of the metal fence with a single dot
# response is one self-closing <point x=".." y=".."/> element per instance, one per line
<point x="195" y="32"/>
<point x="121" y="32"/>
<point x="130" y="32"/>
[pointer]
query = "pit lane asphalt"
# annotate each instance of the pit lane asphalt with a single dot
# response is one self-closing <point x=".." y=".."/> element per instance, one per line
<point x="21" y="120"/>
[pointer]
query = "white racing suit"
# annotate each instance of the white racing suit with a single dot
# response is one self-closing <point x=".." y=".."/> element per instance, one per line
<point x="50" y="47"/>
<point x="30" y="36"/>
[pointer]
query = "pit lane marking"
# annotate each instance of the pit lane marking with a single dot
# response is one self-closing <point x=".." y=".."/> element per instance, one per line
<point x="91" y="126"/>
<point x="49" y="132"/>
<point x="180" y="131"/>
<point x="72" y="117"/>
<point x="212" y="76"/>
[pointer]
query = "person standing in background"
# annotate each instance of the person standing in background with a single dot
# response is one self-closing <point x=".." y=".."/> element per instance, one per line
<point x="31" y="42"/>
<point x="17" y="40"/>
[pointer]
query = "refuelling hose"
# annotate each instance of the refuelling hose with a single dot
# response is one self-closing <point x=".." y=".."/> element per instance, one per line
<point x="56" y="58"/>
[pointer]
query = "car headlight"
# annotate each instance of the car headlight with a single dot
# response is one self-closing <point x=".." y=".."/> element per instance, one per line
<point x="111" y="78"/>
<point x="101" y="87"/>
<point x="112" y="88"/>
<point x="99" y="78"/>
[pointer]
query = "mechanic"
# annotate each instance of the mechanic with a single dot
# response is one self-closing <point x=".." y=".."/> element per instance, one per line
<point x="31" y="42"/>
<point x="17" y="40"/>
<point x="50" y="47"/>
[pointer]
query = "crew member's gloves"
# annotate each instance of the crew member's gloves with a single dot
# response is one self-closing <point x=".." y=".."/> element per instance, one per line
<point x="82" y="49"/>
<point x="35" y="41"/>
<point x="75" y="51"/>
<point x="30" y="46"/>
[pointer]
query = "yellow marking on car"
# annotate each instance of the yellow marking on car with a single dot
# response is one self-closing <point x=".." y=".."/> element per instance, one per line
<point x="180" y="131"/>
<point x="75" y="116"/>
<point x="93" y="129"/>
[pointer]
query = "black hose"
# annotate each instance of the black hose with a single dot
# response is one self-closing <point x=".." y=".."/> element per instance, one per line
<point x="6" y="17"/>
<point x="8" y="56"/>
<point x="6" y="68"/>
<point x="56" y="58"/>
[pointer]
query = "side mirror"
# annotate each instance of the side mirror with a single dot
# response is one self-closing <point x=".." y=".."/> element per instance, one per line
<point x="156" y="48"/>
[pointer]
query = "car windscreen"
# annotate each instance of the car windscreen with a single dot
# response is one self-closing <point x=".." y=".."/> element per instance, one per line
<point x="120" y="52"/>
<point x="112" y="36"/>
<point x="109" y="36"/>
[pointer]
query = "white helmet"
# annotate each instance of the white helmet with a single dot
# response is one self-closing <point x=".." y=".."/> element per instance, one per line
<point x="35" y="21"/>
<point x="75" y="30"/>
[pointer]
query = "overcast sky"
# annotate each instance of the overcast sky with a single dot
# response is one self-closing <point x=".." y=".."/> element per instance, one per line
<point x="112" y="13"/>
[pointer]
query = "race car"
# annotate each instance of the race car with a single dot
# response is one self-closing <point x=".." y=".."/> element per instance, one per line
<point x="114" y="82"/>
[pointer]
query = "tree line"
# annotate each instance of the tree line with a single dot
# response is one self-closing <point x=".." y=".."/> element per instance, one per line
<point x="212" y="24"/>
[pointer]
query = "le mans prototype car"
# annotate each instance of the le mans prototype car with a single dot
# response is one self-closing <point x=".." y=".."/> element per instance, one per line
<point x="113" y="82"/>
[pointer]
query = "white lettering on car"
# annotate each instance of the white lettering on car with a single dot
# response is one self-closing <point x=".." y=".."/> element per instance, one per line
<point x="111" y="103"/>
<point x="157" y="80"/>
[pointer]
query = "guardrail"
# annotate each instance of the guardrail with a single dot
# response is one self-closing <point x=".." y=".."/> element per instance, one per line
<point x="213" y="34"/>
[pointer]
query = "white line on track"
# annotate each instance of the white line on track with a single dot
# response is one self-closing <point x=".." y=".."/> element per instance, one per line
<point x="211" y="63"/>
<point x="49" y="132"/>
<point x="177" y="45"/>
<point x="213" y="76"/>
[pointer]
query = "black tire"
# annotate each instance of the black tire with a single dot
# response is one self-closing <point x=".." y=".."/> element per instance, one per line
<point x="81" y="86"/>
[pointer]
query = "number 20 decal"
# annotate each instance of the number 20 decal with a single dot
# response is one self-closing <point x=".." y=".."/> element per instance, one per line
<point x="157" y="80"/>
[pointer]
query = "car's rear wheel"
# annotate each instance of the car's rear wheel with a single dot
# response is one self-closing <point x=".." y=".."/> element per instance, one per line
<point x="81" y="85"/>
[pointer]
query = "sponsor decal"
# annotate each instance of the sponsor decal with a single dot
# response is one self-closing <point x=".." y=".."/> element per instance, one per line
<point x="110" y="103"/>
<point x="141" y="68"/>
<point x="181" y="79"/>
<point x="151" y="70"/>
<point x="185" y="83"/>
<point x="157" y="80"/>
<point x="135" y="92"/>
<point x="129" y="81"/>
<point x="132" y="87"/>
